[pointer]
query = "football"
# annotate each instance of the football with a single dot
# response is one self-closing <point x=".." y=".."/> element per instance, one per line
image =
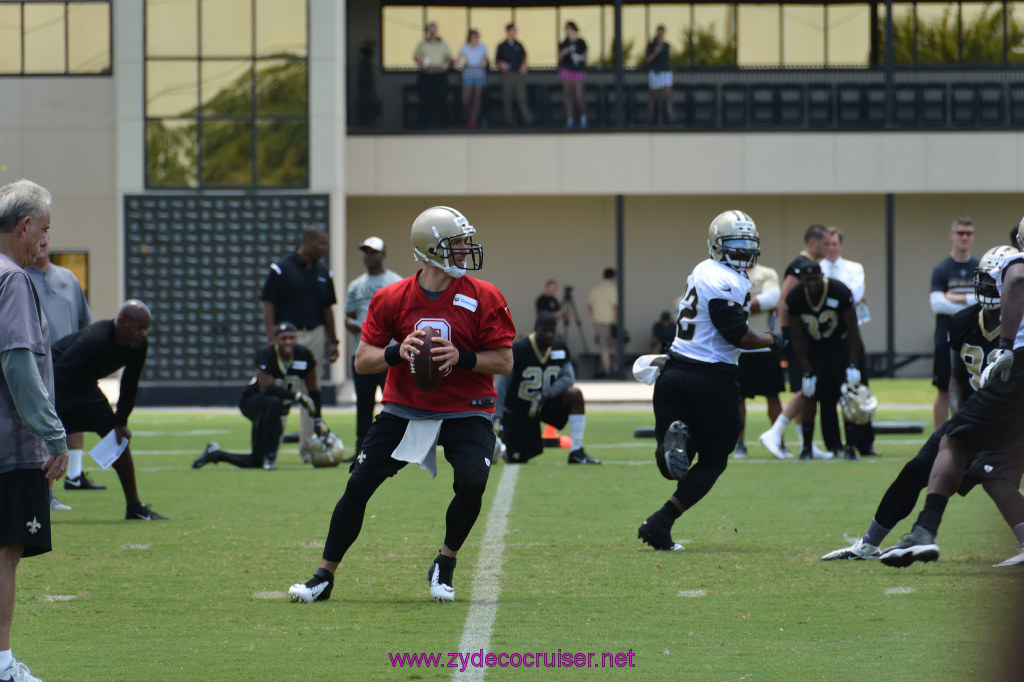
<point x="424" y="369"/>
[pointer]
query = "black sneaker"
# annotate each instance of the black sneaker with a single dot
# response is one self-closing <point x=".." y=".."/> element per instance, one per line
<point x="806" y="453"/>
<point x="140" y="512"/>
<point x="656" y="534"/>
<point x="440" y="576"/>
<point x="81" y="482"/>
<point x="919" y="545"/>
<point x="870" y="452"/>
<point x="317" y="588"/>
<point x="209" y="455"/>
<point x="672" y="457"/>
<point x="850" y="453"/>
<point x="581" y="457"/>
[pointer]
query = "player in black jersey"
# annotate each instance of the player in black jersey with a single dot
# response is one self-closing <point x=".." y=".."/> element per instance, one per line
<point x="826" y="341"/>
<point x="540" y="389"/>
<point x="973" y="336"/>
<point x="282" y="368"/>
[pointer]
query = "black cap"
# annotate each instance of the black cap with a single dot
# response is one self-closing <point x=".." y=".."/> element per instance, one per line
<point x="810" y="269"/>
<point x="285" y="327"/>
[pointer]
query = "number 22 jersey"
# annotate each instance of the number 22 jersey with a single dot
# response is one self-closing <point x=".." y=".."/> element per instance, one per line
<point x="711" y="290"/>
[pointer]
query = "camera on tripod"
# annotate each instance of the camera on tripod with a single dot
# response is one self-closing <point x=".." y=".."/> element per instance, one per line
<point x="567" y="292"/>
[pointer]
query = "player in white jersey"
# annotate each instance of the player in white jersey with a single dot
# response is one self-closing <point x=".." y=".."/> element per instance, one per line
<point x="989" y="420"/>
<point x="697" y="395"/>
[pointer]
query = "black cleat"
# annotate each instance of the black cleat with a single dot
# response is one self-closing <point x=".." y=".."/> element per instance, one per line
<point x="850" y="453"/>
<point x="209" y="455"/>
<point x="806" y="453"/>
<point x="581" y="457"/>
<point x="870" y="452"/>
<point x="919" y="545"/>
<point x="317" y="588"/>
<point x="440" y="575"/>
<point x="81" y="482"/>
<point x="657" y="535"/>
<point x="140" y="512"/>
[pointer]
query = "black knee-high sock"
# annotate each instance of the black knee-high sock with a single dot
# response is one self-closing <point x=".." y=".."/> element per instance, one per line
<point x="464" y="508"/>
<point x="347" y="519"/>
<point x="931" y="516"/>
<point x="808" y="431"/>
<point x="901" y="497"/>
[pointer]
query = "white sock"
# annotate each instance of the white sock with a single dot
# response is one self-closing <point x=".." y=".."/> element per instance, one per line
<point x="779" y="427"/>
<point x="5" y="658"/>
<point x="74" y="464"/>
<point x="577" y="422"/>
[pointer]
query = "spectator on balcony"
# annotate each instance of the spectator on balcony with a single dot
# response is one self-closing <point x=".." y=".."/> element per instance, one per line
<point x="473" y="58"/>
<point x="572" y="71"/>
<point x="659" y="76"/>
<point x="511" y="61"/>
<point x="433" y="58"/>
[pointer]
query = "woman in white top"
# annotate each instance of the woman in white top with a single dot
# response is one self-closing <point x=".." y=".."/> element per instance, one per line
<point x="473" y="57"/>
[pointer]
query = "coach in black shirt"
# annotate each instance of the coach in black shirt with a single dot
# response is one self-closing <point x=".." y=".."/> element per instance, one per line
<point x="511" y="61"/>
<point x="300" y="289"/>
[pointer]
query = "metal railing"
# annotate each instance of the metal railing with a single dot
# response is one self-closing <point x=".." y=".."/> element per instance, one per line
<point x="748" y="99"/>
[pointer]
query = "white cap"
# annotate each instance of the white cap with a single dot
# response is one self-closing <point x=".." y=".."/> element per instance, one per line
<point x="375" y="243"/>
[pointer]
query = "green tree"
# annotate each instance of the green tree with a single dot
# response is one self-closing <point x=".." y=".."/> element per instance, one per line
<point x="938" y="38"/>
<point x="706" y="49"/>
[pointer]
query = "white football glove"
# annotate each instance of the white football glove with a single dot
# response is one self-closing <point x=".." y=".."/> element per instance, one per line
<point x="306" y="402"/>
<point x="808" y="385"/>
<point x="1000" y="366"/>
<point x="852" y="375"/>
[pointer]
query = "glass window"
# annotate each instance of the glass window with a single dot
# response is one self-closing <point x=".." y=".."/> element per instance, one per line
<point x="226" y="28"/>
<point x="78" y="263"/>
<point x="44" y="37"/>
<point x="281" y="87"/>
<point x="451" y="27"/>
<point x="757" y="35"/>
<point x="904" y="33"/>
<point x="849" y="34"/>
<point x="634" y="35"/>
<point x="402" y="30"/>
<point x="588" y="19"/>
<point x="89" y="37"/>
<point x="282" y="153"/>
<point x="226" y="153"/>
<point x="490" y="21"/>
<point x="172" y="153"/>
<point x="281" y="28"/>
<point x="539" y="32"/>
<point x="172" y="28"/>
<point x="803" y="35"/>
<point x="1015" y="32"/>
<point x="172" y="88"/>
<point x="677" y="29"/>
<point x="714" y="35"/>
<point x="10" y="38"/>
<point x="981" y="33"/>
<point x="226" y="87"/>
<point x="938" y="40"/>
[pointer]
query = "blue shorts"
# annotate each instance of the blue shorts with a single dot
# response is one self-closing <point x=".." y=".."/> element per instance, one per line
<point x="474" y="76"/>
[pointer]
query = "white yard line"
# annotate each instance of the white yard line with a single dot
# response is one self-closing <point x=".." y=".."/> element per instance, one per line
<point x="476" y="634"/>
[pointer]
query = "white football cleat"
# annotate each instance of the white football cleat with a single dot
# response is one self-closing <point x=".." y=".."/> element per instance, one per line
<point x="17" y="671"/>
<point x="317" y="588"/>
<point x="440" y="578"/>
<point x="773" y="444"/>
<point x="818" y="453"/>
<point x="1016" y="560"/>
<point x="858" y="550"/>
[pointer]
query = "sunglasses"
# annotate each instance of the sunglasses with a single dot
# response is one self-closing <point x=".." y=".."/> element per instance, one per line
<point x="963" y="233"/>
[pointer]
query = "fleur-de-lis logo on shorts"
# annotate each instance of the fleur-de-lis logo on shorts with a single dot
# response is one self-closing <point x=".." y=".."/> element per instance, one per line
<point x="33" y="525"/>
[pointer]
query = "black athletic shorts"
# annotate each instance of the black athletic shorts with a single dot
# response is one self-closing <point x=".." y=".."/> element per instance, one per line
<point x="85" y="410"/>
<point x="706" y="397"/>
<point x="941" y="367"/>
<point x="25" y="511"/>
<point x="829" y="367"/>
<point x="522" y="436"/>
<point x="794" y="373"/>
<point x="1007" y="464"/>
<point x="993" y="418"/>
<point x="468" y="443"/>
<point x="761" y="374"/>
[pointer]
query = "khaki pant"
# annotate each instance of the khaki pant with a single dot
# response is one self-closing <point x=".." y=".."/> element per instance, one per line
<point x="316" y="341"/>
<point x="513" y="87"/>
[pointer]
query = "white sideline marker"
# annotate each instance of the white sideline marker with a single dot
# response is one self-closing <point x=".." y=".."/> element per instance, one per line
<point x="476" y="634"/>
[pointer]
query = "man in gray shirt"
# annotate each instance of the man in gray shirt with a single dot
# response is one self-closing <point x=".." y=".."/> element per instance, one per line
<point x="32" y="442"/>
<point x="66" y="311"/>
<point x="357" y="303"/>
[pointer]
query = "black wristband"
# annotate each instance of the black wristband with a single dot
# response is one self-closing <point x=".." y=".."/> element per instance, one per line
<point x="1005" y="344"/>
<point x="467" y="359"/>
<point x="393" y="355"/>
<point x="315" y="396"/>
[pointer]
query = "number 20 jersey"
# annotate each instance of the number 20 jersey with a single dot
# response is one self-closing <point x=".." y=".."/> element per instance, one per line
<point x="696" y="335"/>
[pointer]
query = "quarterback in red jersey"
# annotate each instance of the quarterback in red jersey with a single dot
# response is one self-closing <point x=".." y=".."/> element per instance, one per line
<point x="474" y="342"/>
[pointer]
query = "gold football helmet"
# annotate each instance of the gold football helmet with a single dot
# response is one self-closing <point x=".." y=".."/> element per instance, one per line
<point x="432" y="232"/>
<point x="733" y="240"/>
<point x="858" y="403"/>
<point x="327" y="450"/>
<point x="985" y="289"/>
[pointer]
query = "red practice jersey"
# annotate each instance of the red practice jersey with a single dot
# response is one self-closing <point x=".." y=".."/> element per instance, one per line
<point x="470" y="313"/>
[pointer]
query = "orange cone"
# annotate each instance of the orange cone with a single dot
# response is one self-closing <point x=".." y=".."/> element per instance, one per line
<point x="550" y="436"/>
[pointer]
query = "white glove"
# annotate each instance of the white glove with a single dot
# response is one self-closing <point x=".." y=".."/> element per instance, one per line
<point x="999" y="366"/>
<point x="306" y="402"/>
<point x="852" y="375"/>
<point x="807" y="386"/>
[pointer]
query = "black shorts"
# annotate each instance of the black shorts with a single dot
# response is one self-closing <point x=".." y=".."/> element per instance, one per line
<point x="25" y="511"/>
<point x="468" y="443"/>
<point x="991" y="419"/>
<point x="941" y="367"/>
<point x="761" y="374"/>
<point x="794" y="373"/>
<point x="85" y="410"/>
<point x="522" y="435"/>
<point x="829" y="367"/>
<point x="706" y="398"/>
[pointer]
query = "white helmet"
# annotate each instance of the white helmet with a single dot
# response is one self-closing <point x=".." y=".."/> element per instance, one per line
<point x="858" y="403"/>
<point x="432" y="232"/>
<point x="733" y="240"/>
<point x="327" y="450"/>
<point x="985" y="289"/>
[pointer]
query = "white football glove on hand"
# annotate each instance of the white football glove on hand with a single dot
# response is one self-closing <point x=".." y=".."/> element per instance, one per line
<point x="306" y="402"/>
<point x="535" y="407"/>
<point x="852" y="374"/>
<point x="1000" y="366"/>
<point x="808" y="385"/>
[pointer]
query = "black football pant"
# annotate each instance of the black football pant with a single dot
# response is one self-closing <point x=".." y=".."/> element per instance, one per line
<point x="264" y="411"/>
<point x="366" y="399"/>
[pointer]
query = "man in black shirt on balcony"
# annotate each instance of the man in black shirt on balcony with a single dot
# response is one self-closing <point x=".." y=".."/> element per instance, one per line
<point x="511" y="61"/>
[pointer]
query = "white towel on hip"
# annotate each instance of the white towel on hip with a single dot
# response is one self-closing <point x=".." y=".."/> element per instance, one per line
<point x="419" y="444"/>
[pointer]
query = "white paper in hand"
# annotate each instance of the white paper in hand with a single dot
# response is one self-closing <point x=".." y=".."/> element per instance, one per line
<point x="108" y="450"/>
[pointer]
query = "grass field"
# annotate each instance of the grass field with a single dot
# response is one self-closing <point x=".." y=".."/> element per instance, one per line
<point x="202" y="597"/>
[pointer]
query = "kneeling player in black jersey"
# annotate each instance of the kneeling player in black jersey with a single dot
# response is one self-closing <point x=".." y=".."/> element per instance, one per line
<point x="973" y="336"/>
<point x="540" y="389"/>
<point x="697" y="394"/>
<point x="281" y="367"/>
